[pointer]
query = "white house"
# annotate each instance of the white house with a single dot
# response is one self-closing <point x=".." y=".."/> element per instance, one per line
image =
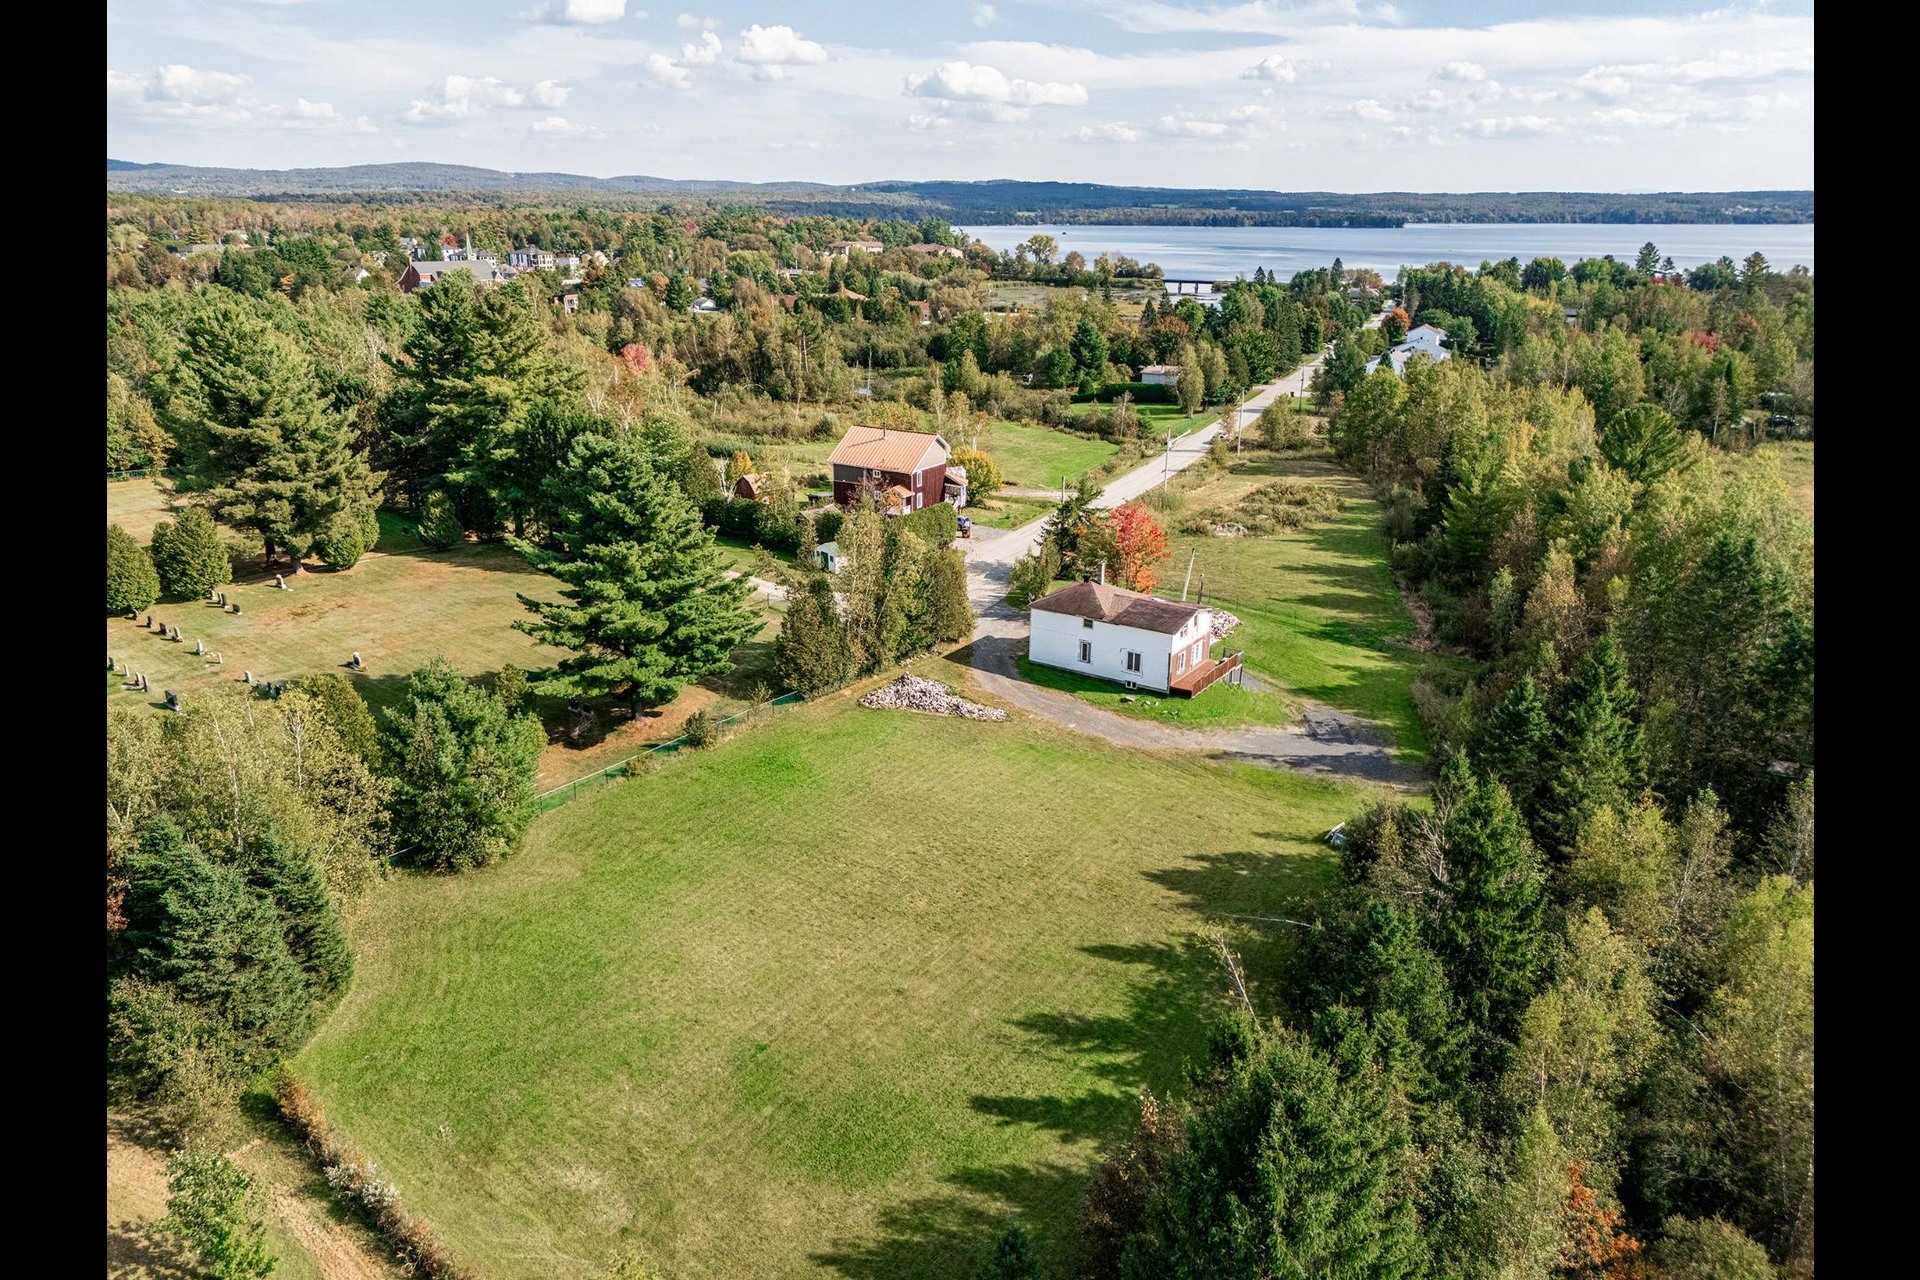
<point x="828" y="553"/>
<point x="1160" y="375"/>
<point x="1425" y="340"/>
<point x="1124" y="636"/>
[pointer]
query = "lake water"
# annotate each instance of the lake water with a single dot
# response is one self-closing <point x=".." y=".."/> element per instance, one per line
<point x="1221" y="253"/>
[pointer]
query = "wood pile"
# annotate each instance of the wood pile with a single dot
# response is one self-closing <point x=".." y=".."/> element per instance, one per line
<point x="1223" y="622"/>
<point x="915" y="693"/>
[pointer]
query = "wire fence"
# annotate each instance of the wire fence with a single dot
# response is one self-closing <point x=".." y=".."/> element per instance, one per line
<point x="141" y="473"/>
<point x="625" y="769"/>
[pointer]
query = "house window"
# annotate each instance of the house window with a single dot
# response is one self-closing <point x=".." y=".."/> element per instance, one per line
<point x="1133" y="661"/>
<point x="1180" y="662"/>
<point x="1087" y="623"/>
<point x="1086" y="651"/>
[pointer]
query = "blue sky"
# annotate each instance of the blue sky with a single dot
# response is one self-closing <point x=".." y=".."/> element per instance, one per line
<point x="1343" y="95"/>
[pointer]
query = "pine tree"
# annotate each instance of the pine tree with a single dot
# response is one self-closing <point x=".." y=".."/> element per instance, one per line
<point x="257" y="438"/>
<point x="131" y="580"/>
<point x="440" y="526"/>
<point x="1513" y="742"/>
<point x="1289" y="1170"/>
<point x="811" y="654"/>
<point x="291" y="878"/>
<point x="189" y="556"/>
<point x="1490" y="932"/>
<point x="1013" y="1258"/>
<point x="1089" y="349"/>
<point x="1596" y="758"/>
<point x="1386" y="971"/>
<point x="341" y="544"/>
<point x="649" y="606"/>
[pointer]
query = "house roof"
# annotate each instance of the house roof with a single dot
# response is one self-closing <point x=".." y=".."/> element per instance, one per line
<point x="1118" y="606"/>
<point x="829" y="548"/>
<point x="1159" y="368"/>
<point x="946" y="250"/>
<point x="884" y="449"/>
<point x="482" y="268"/>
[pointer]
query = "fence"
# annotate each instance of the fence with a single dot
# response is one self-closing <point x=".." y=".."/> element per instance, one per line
<point x="568" y="790"/>
<point x="141" y="473"/>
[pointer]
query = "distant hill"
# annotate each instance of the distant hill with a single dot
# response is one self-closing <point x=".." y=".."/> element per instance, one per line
<point x="998" y="201"/>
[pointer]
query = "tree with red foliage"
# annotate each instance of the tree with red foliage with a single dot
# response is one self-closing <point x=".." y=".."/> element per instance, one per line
<point x="1142" y="545"/>
<point x="1596" y="1246"/>
<point x="638" y="358"/>
<point x="1396" y="324"/>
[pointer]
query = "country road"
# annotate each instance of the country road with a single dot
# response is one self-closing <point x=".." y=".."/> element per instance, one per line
<point x="1327" y="742"/>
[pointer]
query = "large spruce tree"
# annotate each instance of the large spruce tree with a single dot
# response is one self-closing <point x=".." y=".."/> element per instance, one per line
<point x="257" y="438"/>
<point x="1596" y="756"/>
<point x="189" y="555"/>
<point x="1514" y="743"/>
<point x="812" y="654"/>
<point x="649" y="606"/>
<point x="131" y="580"/>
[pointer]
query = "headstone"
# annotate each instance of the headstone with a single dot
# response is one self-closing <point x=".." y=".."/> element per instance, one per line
<point x="280" y="581"/>
<point x="173" y="700"/>
<point x="356" y="660"/>
<point x="173" y="634"/>
<point x="223" y="599"/>
<point x="199" y="648"/>
<point x="111" y="664"/>
<point x="219" y="659"/>
<point x="143" y="685"/>
<point x="249" y="677"/>
<point x="236" y="609"/>
<point x="148" y="624"/>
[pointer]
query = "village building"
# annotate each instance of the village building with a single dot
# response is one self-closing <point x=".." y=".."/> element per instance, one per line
<point x="1425" y="340"/>
<point x="1160" y="375"/>
<point x="904" y="470"/>
<point x="845" y="248"/>
<point x="1130" y="638"/>
<point x="421" y="274"/>
<point x="934" y="250"/>
<point x="829" y="557"/>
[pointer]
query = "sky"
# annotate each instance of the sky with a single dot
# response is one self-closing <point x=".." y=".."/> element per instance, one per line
<point x="1335" y="95"/>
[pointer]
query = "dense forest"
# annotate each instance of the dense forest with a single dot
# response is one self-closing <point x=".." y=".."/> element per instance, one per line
<point x="1003" y="201"/>
<point x="1554" y="1020"/>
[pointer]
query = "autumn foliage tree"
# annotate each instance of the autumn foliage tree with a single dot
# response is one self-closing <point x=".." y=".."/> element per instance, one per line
<point x="1142" y="545"/>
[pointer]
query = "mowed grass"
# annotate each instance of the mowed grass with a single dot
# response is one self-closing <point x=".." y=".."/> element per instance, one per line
<point x="399" y="606"/>
<point x="1220" y="705"/>
<point x="1003" y="511"/>
<point x="1033" y="457"/>
<point x="136" y="506"/>
<point x="842" y="996"/>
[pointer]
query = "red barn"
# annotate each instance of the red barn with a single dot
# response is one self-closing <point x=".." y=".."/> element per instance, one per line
<point x="910" y="464"/>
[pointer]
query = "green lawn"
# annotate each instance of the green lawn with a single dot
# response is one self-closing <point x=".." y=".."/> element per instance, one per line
<point x="842" y="996"/>
<point x="1032" y="457"/>
<point x="1003" y="512"/>
<point x="1218" y="706"/>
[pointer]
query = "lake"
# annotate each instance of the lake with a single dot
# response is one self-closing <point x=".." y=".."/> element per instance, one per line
<point x="1221" y="253"/>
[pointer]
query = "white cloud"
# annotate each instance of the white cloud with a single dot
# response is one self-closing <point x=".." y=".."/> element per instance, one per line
<point x="178" y="83"/>
<point x="1462" y="72"/>
<point x="549" y="93"/>
<point x="774" y="47"/>
<point x="693" y="22"/>
<point x="703" y="54"/>
<point x="560" y="127"/>
<point x="1267" y="17"/>
<point x="1187" y="127"/>
<point x="315" y="110"/>
<point x="1635" y="118"/>
<point x="965" y="82"/>
<point x="667" y="71"/>
<point x="1114" y="132"/>
<point x="1371" y="111"/>
<point x="984" y="16"/>
<point x="321" y="117"/>
<point x="927" y="123"/>
<point x="1496" y="126"/>
<point x="125" y="84"/>
<point x="462" y="98"/>
<point x="1272" y="67"/>
<point x="584" y="12"/>
<point x="1254" y="113"/>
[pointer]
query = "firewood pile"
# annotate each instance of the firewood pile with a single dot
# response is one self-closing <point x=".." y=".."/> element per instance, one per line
<point x="914" y="693"/>
<point x="1223" y="622"/>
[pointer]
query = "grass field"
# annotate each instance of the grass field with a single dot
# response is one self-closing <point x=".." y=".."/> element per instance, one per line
<point x="1032" y="457"/>
<point x="1218" y="706"/>
<point x="1004" y="512"/>
<point x="399" y="606"/>
<point x="1158" y="419"/>
<point x="1796" y="468"/>
<point x="1321" y="617"/>
<point x="843" y="996"/>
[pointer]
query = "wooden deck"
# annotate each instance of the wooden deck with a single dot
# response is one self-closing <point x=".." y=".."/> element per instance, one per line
<point x="1196" y="680"/>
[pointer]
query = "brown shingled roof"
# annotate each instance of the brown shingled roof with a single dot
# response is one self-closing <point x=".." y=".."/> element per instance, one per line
<point x="1119" y="606"/>
<point x="883" y="449"/>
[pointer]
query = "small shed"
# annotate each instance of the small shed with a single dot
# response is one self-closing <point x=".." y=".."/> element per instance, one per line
<point x="828" y="554"/>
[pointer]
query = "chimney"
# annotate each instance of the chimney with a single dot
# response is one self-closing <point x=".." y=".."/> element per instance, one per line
<point x="1103" y="573"/>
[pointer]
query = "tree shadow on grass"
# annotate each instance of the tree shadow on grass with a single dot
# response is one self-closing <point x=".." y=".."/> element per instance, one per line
<point x="133" y="1251"/>
<point x="951" y="1232"/>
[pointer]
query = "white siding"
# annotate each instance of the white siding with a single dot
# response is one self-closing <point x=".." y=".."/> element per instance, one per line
<point x="1056" y="638"/>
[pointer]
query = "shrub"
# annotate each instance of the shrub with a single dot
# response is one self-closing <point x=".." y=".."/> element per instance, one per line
<point x="188" y="555"/>
<point x="936" y="525"/>
<point x="511" y="686"/>
<point x="369" y="529"/>
<point x="700" y="730"/>
<point x="1031" y="575"/>
<point x="131" y="580"/>
<point x="215" y="1210"/>
<point x="440" y="525"/>
<point x="826" y="525"/>
<point x="341" y="542"/>
<point x="1287" y="504"/>
<point x="1281" y="429"/>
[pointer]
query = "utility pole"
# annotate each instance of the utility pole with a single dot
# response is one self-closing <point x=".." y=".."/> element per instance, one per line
<point x="1166" y="468"/>
<point x="1189" y="581"/>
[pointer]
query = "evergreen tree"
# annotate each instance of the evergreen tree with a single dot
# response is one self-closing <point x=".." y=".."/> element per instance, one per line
<point x="462" y="770"/>
<point x="1596" y="755"/>
<point x="863" y="583"/>
<point x="649" y="606"/>
<point x="1645" y="442"/>
<point x="132" y="583"/>
<point x="1513" y="743"/>
<point x="1290" y="1170"/>
<point x="1013" y="1258"/>
<point x="440" y="526"/>
<point x="189" y="556"/>
<point x="1089" y="350"/>
<point x="342" y="542"/>
<point x="1489" y="933"/>
<point x="290" y="878"/>
<point x="1385" y="970"/>
<point x="811" y="654"/>
<point x="256" y="436"/>
<point x="345" y="712"/>
<point x="949" y="611"/>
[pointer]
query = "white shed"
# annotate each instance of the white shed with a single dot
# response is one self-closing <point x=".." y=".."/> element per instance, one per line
<point x="828" y="554"/>
<point x="1160" y="375"/>
<point x="1123" y="636"/>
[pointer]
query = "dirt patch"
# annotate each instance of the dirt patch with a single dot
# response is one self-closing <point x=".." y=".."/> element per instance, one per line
<point x="338" y="1254"/>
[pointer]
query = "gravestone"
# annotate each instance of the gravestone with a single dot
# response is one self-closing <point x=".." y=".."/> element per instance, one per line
<point x="355" y="664"/>
<point x="199" y="647"/>
<point x="173" y="634"/>
<point x="280" y="581"/>
<point x="223" y="600"/>
<point x="249" y="677"/>
<point x="236" y="609"/>
<point x="144" y="688"/>
<point x="219" y="659"/>
<point x="173" y="700"/>
<point x="148" y="624"/>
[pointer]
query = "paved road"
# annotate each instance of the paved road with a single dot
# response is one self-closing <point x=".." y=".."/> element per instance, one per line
<point x="1327" y="742"/>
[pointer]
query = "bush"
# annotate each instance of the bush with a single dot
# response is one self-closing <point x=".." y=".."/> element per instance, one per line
<point x="1281" y="429"/>
<point x="132" y="583"/>
<point x="215" y="1210"/>
<point x="369" y="529"/>
<point x="826" y="525"/>
<point x="700" y="730"/>
<point x="751" y="522"/>
<point x="1031" y="575"/>
<point x="440" y="525"/>
<point x="511" y="686"/>
<point x="188" y="555"/>
<point x="936" y="525"/>
<point x="341" y="542"/>
<point x="1142" y="393"/>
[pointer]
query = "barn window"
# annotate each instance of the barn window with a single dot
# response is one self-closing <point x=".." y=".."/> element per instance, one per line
<point x="1133" y="661"/>
<point x="1087" y="623"/>
<point x="1086" y="651"/>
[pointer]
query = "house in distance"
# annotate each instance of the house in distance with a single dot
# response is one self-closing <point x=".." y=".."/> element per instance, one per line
<point x="1137" y="640"/>
<point x="904" y="470"/>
